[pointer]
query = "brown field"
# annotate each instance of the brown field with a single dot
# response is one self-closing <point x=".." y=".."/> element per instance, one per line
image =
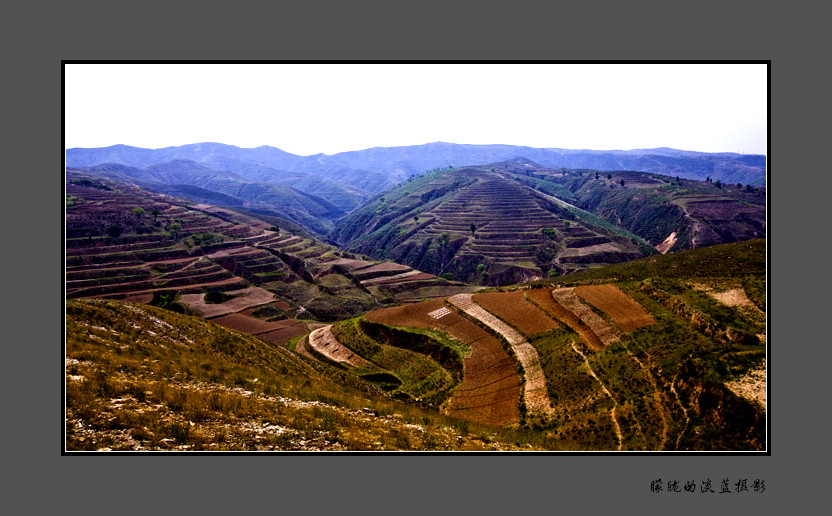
<point x="490" y="388"/>
<point x="254" y="326"/>
<point x="567" y="298"/>
<point x="513" y="308"/>
<point x="544" y="299"/>
<point x="627" y="314"/>
<point x="245" y="298"/>
<point x="280" y="336"/>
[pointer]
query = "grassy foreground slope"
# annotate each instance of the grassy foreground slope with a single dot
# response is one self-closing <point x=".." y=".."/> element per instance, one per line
<point x="144" y="378"/>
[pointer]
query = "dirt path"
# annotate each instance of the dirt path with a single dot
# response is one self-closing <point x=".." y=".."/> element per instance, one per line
<point x="687" y="418"/>
<point x="535" y="395"/>
<point x="322" y="341"/>
<point x="604" y="388"/>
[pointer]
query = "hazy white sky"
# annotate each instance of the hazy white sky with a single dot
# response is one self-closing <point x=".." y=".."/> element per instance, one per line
<point x="310" y="108"/>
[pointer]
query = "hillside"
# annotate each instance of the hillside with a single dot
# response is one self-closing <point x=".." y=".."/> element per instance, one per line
<point x="672" y="214"/>
<point x="191" y="180"/>
<point x="672" y="359"/>
<point x="516" y="220"/>
<point x="617" y="362"/>
<point x="142" y="378"/>
<point x="126" y="242"/>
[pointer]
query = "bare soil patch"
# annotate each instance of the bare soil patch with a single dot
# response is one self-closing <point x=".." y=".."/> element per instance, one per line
<point x="667" y="244"/>
<point x="513" y="308"/>
<point x="250" y="324"/>
<point x="285" y="334"/>
<point x="322" y="341"/>
<point x="627" y="314"/>
<point x="733" y="297"/>
<point x="751" y="386"/>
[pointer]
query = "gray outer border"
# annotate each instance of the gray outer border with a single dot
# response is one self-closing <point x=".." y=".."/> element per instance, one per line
<point x="39" y="38"/>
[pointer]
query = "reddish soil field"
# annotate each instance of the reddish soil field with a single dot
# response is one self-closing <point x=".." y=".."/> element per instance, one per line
<point x="249" y="324"/>
<point x="416" y="276"/>
<point x="543" y="298"/>
<point x="513" y="308"/>
<point x="627" y="314"/>
<point x="490" y="388"/>
<point x="285" y="334"/>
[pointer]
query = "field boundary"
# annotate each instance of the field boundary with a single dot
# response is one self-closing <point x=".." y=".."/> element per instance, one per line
<point x="535" y="394"/>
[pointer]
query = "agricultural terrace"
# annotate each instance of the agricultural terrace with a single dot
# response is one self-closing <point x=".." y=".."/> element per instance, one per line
<point x="625" y="312"/>
<point x="535" y="397"/>
<point x="566" y="297"/>
<point x="490" y="389"/>
<point x="276" y="332"/>
<point x="544" y="299"/>
<point x="513" y="308"/>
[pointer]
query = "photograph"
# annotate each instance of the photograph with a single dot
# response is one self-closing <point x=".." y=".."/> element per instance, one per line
<point x="417" y="258"/>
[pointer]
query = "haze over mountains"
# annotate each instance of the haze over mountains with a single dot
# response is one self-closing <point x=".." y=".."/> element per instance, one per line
<point x="372" y="170"/>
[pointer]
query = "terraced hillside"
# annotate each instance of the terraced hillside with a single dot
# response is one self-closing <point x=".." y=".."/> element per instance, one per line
<point x="191" y="180"/>
<point x="672" y="214"/>
<point x="483" y="225"/>
<point x="125" y="242"/>
<point x="657" y="363"/>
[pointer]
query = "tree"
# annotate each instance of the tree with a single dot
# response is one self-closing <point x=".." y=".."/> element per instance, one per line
<point x="609" y="176"/>
<point x="114" y="231"/>
<point x="480" y="267"/>
<point x="549" y="232"/>
<point x="138" y="211"/>
<point x="473" y="228"/>
<point x="416" y="219"/>
<point x="718" y="183"/>
<point x="597" y="175"/>
<point x="174" y="229"/>
<point x="155" y="212"/>
<point x="621" y="182"/>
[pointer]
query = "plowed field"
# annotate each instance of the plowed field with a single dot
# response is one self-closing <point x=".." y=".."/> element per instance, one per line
<point x="544" y="299"/>
<point x="627" y="314"/>
<point x="567" y="298"/>
<point x="513" y="308"/>
<point x="242" y="299"/>
<point x="276" y="332"/>
<point x="490" y="388"/>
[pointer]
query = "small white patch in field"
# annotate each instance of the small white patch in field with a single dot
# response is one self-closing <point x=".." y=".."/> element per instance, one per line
<point x="438" y="314"/>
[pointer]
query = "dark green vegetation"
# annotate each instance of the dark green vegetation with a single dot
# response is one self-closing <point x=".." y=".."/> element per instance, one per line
<point x="143" y="378"/>
<point x="412" y="365"/>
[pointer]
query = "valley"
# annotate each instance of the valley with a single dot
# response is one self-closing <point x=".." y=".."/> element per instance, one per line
<point x="509" y="306"/>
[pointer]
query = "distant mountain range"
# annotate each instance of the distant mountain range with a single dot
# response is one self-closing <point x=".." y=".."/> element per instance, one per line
<point x="373" y="170"/>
